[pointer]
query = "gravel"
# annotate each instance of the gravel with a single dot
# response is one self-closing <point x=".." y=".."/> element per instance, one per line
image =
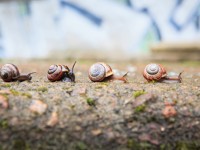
<point x="63" y="118"/>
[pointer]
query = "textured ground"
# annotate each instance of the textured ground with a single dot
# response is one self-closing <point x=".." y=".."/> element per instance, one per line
<point x="108" y="115"/>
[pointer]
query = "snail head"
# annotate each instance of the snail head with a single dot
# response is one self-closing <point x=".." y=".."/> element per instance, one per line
<point x="29" y="77"/>
<point x="71" y="74"/>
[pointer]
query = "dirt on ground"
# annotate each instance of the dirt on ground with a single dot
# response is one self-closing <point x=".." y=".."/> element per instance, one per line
<point x="107" y="115"/>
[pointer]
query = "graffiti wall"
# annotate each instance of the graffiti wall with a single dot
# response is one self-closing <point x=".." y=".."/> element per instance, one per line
<point x="35" y="28"/>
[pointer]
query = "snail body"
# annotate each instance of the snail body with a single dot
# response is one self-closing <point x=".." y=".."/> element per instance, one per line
<point x="61" y="72"/>
<point x="10" y="72"/>
<point x="25" y="77"/>
<point x="156" y="72"/>
<point x="101" y="72"/>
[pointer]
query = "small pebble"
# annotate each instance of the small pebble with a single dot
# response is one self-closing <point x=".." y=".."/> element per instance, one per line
<point x="169" y="111"/>
<point x="143" y="99"/>
<point x="5" y="92"/>
<point x="96" y="132"/>
<point x="38" y="107"/>
<point x="79" y="91"/>
<point x="3" y="102"/>
<point x="53" y="119"/>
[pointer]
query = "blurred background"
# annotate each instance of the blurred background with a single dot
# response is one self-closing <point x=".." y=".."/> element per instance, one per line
<point x="113" y="29"/>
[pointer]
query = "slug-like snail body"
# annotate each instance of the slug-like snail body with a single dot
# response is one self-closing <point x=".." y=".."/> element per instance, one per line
<point x="61" y="72"/>
<point x="25" y="77"/>
<point x="10" y="72"/>
<point x="154" y="72"/>
<point x="100" y="72"/>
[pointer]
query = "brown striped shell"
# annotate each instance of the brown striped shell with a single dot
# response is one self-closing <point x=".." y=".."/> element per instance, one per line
<point x="55" y="72"/>
<point x="154" y="72"/>
<point x="99" y="71"/>
<point x="9" y="72"/>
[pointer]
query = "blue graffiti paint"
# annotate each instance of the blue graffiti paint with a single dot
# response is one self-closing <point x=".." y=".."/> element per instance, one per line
<point x="194" y="18"/>
<point x="128" y="3"/>
<point x="153" y="21"/>
<point x="197" y="22"/>
<point x="2" y="51"/>
<point x="89" y="15"/>
<point x="25" y="8"/>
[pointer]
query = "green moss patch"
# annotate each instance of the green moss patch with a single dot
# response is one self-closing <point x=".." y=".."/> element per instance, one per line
<point x="42" y="89"/>
<point x="90" y="101"/>
<point x="138" y="93"/>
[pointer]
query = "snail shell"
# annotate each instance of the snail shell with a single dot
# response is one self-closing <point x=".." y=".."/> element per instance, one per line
<point x="9" y="72"/>
<point x="56" y="72"/>
<point x="154" y="72"/>
<point x="99" y="71"/>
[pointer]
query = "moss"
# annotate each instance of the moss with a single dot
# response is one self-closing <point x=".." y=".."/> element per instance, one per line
<point x="198" y="94"/>
<point x="72" y="106"/>
<point x="14" y="92"/>
<point x="28" y="95"/>
<point x="99" y="86"/>
<point x="80" y="146"/>
<point x="90" y="101"/>
<point x="153" y="82"/>
<point x="42" y="89"/>
<point x="182" y="146"/>
<point x="140" y="108"/>
<point x="4" y="124"/>
<point x="5" y="96"/>
<point x="145" y="146"/>
<point x="20" y="144"/>
<point x="138" y="93"/>
<point x="104" y="83"/>
<point x="6" y="85"/>
<point x="186" y="145"/>
<point x="132" y="144"/>
<point x="165" y="147"/>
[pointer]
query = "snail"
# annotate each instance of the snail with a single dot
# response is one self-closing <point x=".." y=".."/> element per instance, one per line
<point x="156" y="72"/>
<point x="10" y="72"/>
<point x="61" y="72"/>
<point x="101" y="72"/>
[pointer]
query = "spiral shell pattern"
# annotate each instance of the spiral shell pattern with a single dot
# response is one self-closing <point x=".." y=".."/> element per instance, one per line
<point x="154" y="72"/>
<point x="9" y="72"/>
<point x="55" y="72"/>
<point x="97" y="72"/>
